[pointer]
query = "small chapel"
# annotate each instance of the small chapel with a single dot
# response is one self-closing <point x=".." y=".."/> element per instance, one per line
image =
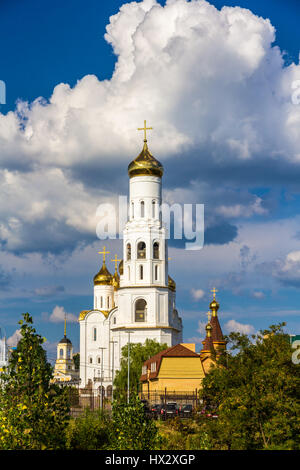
<point x="137" y="301"/>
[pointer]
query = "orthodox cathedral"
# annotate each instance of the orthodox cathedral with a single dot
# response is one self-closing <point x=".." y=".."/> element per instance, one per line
<point x="138" y="301"/>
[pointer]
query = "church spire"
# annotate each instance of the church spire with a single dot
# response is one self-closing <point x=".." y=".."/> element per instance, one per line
<point x="217" y="335"/>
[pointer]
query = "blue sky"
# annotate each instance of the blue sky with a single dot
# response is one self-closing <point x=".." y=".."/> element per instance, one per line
<point x="224" y="128"/>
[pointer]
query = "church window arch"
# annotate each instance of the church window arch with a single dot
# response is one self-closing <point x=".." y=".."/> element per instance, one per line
<point x="61" y="352"/>
<point x="98" y="360"/>
<point x="69" y="353"/>
<point x="140" y="310"/>
<point x="142" y="209"/>
<point x="90" y="360"/>
<point x="128" y="251"/>
<point x="141" y="250"/>
<point x="156" y="250"/>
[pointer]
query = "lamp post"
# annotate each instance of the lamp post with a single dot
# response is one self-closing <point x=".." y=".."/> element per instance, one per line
<point x="128" y="367"/>
<point x="101" y="390"/>
<point x="113" y="369"/>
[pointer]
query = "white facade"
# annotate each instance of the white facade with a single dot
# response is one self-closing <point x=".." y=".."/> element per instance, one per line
<point x="143" y="302"/>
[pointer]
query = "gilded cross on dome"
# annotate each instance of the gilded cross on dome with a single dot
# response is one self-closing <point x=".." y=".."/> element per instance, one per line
<point x="214" y="290"/>
<point x="104" y="253"/>
<point x="116" y="260"/>
<point x="145" y="128"/>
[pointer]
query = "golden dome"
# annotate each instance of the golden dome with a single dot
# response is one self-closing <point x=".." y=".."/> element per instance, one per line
<point x="208" y="327"/>
<point x="103" y="277"/>
<point x="145" y="164"/>
<point x="214" y="305"/>
<point x="171" y="284"/>
<point x="121" y="268"/>
<point x="116" y="281"/>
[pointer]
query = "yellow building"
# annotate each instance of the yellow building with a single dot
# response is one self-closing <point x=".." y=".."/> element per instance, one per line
<point x="64" y="370"/>
<point x="180" y="368"/>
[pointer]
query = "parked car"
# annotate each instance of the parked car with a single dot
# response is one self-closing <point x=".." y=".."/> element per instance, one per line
<point x="170" y="410"/>
<point x="186" y="411"/>
<point x="155" y="410"/>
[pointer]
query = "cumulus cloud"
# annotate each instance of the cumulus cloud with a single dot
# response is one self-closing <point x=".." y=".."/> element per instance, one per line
<point x="13" y="340"/>
<point x="58" y="315"/>
<point x="233" y="325"/>
<point x="212" y="85"/>
<point x="197" y="294"/>
<point x="287" y="270"/>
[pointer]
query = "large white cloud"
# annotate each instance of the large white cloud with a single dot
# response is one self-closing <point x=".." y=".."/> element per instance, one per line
<point x="209" y="82"/>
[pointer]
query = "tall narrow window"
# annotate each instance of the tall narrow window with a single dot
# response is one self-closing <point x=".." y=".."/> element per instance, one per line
<point x="107" y="302"/>
<point x="101" y="302"/>
<point x="153" y="209"/>
<point x="95" y="334"/>
<point x="155" y="250"/>
<point x="141" y="251"/>
<point x="142" y="209"/>
<point x="128" y="251"/>
<point x="141" y="272"/>
<point x="156" y="273"/>
<point x="132" y="210"/>
<point x="140" y="310"/>
<point x="61" y="352"/>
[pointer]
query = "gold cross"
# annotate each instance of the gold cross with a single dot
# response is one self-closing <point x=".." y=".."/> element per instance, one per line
<point x="116" y="260"/>
<point x="104" y="252"/>
<point x="145" y="129"/>
<point x="214" y="290"/>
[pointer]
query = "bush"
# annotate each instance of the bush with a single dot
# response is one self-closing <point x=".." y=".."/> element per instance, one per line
<point x="89" y="432"/>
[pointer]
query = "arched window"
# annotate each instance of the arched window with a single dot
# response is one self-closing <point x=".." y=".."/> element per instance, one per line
<point x="141" y="271"/>
<point x="156" y="250"/>
<point x="153" y="209"/>
<point x="156" y="273"/>
<point x="141" y="251"/>
<point x="91" y="360"/>
<point x="98" y="360"/>
<point x="69" y="353"/>
<point x="107" y="302"/>
<point x="142" y="209"/>
<point x="94" y="334"/>
<point x="61" y="353"/>
<point x="140" y="310"/>
<point x="128" y="250"/>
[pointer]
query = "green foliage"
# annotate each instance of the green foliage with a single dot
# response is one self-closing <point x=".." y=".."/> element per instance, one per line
<point x="131" y="429"/>
<point x="76" y="359"/>
<point x="89" y="432"/>
<point x="139" y="353"/>
<point x="33" y="413"/>
<point x="255" y="394"/>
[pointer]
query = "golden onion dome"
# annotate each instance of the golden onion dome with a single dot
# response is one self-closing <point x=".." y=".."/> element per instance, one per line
<point x="145" y="164"/>
<point x="214" y="305"/>
<point x="208" y="327"/>
<point x="116" y="281"/>
<point x="103" y="277"/>
<point x="171" y="284"/>
<point x="121" y="268"/>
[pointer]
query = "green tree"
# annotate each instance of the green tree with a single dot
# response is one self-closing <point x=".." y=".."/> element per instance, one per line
<point x="139" y="353"/>
<point x="76" y="359"/>
<point x="33" y="413"/>
<point x="131" y="429"/>
<point x="256" y="394"/>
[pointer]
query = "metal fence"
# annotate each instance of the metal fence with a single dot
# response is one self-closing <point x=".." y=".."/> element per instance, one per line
<point x="82" y="399"/>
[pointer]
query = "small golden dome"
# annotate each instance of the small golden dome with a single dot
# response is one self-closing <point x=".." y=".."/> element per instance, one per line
<point x="116" y="281"/>
<point x="214" y="305"/>
<point x="121" y="268"/>
<point x="103" y="277"/>
<point x="171" y="284"/>
<point x="145" y="164"/>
